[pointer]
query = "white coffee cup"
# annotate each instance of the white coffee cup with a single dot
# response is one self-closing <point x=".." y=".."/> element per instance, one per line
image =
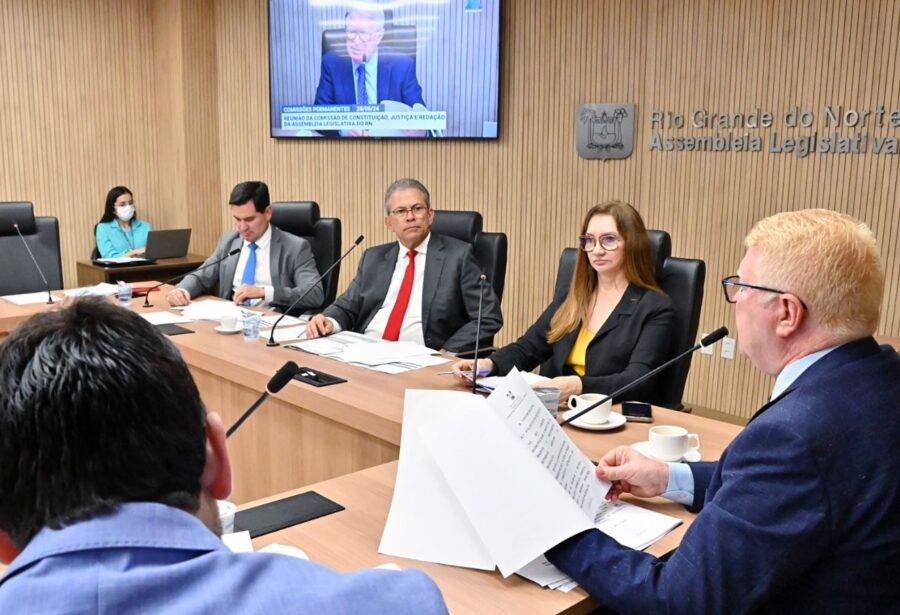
<point x="226" y="515"/>
<point x="598" y="415"/>
<point x="671" y="443"/>
<point x="229" y="323"/>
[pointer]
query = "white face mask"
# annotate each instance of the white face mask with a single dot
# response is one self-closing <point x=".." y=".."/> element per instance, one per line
<point x="125" y="212"/>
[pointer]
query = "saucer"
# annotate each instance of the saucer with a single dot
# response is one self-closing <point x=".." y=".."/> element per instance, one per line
<point x="615" y="421"/>
<point x="644" y="449"/>
<point x="224" y="331"/>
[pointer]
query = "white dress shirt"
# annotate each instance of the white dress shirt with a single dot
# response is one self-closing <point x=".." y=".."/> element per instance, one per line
<point x="411" y="328"/>
<point x="263" y="276"/>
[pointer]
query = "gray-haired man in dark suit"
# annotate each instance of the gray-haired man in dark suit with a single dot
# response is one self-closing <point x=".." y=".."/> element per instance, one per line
<point x="422" y="288"/>
<point x="273" y="267"/>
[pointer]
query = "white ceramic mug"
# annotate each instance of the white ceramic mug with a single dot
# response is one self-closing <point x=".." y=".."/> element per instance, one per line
<point x="226" y="515"/>
<point x="598" y="415"/>
<point x="671" y="443"/>
<point x="229" y="323"/>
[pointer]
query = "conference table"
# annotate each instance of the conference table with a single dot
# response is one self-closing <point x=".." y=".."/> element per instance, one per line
<point x="307" y="434"/>
<point x="90" y="272"/>
<point x="343" y="442"/>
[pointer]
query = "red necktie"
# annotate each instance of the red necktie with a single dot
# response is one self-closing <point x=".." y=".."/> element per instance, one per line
<point x="392" y="330"/>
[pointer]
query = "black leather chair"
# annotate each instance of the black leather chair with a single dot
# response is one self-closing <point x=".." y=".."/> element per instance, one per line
<point x="18" y="274"/>
<point x="490" y="248"/>
<point x="302" y="218"/>
<point x="682" y="279"/>
<point x="95" y="253"/>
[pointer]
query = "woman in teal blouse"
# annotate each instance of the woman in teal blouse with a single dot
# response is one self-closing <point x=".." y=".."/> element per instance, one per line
<point x="119" y="233"/>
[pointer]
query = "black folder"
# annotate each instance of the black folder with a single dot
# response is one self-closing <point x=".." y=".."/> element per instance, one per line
<point x="277" y="515"/>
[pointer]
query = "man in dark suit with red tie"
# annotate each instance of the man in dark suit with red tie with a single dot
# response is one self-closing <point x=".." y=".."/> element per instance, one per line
<point x="422" y="288"/>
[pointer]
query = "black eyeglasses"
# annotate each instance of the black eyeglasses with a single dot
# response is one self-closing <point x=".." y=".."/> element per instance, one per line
<point x="607" y="242"/>
<point x="731" y="286"/>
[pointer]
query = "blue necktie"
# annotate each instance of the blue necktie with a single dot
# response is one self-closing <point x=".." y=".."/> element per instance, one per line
<point x="249" y="275"/>
<point x="362" y="97"/>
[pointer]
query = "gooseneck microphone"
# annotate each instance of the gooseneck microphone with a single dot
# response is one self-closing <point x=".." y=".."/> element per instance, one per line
<point x="34" y="260"/>
<point x="481" y="281"/>
<point x="272" y="341"/>
<point x="709" y="340"/>
<point x="178" y="277"/>
<point x="277" y="382"/>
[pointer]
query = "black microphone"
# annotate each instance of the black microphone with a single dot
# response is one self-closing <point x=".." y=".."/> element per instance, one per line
<point x="709" y="340"/>
<point x="478" y="333"/>
<point x="178" y="277"/>
<point x="278" y="382"/>
<point x="272" y="341"/>
<point x="34" y="260"/>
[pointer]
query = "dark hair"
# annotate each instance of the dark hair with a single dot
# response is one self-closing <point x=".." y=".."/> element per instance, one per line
<point x="96" y="409"/>
<point x="258" y="192"/>
<point x="109" y="210"/>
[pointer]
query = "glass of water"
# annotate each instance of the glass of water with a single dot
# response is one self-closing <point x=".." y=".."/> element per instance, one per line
<point x="125" y="292"/>
<point x="251" y="322"/>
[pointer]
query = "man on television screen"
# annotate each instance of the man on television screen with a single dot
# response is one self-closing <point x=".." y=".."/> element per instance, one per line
<point x="358" y="74"/>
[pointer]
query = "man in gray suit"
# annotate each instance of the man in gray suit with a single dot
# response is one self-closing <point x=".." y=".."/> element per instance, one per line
<point x="273" y="268"/>
<point x="422" y="288"/>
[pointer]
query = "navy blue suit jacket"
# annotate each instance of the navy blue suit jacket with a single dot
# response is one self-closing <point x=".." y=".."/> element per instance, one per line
<point x="801" y="513"/>
<point x="396" y="80"/>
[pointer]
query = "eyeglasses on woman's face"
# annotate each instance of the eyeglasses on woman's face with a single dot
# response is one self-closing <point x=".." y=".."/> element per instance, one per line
<point x="608" y="242"/>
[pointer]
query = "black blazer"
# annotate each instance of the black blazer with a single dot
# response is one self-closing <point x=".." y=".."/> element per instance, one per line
<point x="634" y="339"/>
<point x="449" y="294"/>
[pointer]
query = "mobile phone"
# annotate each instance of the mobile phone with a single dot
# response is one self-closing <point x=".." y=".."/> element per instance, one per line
<point x="637" y="412"/>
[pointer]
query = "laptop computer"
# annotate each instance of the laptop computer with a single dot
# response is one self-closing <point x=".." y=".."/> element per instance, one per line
<point x="167" y="244"/>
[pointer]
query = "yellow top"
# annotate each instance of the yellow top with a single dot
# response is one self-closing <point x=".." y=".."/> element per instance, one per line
<point x="579" y="349"/>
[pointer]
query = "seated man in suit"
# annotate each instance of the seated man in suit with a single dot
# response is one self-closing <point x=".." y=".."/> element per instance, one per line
<point x="274" y="267"/>
<point x="422" y="288"/>
<point x="801" y="512"/>
<point x="110" y="468"/>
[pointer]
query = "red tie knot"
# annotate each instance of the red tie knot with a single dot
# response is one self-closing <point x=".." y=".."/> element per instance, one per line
<point x="412" y="255"/>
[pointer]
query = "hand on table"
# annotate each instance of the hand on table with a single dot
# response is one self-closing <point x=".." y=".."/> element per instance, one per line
<point x="631" y="472"/>
<point x="318" y="326"/>
<point x="485" y="367"/>
<point x="136" y="252"/>
<point x="178" y="297"/>
<point x="567" y="385"/>
<point x="245" y="292"/>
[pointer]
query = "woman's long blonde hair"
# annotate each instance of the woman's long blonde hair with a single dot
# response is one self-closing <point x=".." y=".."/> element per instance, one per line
<point x="638" y="262"/>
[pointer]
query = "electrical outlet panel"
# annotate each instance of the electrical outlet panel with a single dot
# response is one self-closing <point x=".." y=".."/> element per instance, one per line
<point x="728" y="344"/>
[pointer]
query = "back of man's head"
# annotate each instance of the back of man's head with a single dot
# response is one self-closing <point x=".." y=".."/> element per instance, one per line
<point x="96" y="409"/>
<point x="830" y="261"/>
<point x="252" y="191"/>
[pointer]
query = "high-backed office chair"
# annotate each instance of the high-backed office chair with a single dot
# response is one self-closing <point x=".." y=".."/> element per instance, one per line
<point x="302" y="218"/>
<point x="95" y="253"/>
<point x="18" y="275"/>
<point x="682" y="279"/>
<point x="490" y="248"/>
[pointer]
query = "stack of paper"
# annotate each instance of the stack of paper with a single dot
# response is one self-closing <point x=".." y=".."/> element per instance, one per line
<point x="495" y="482"/>
<point x="211" y="309"/>
<point x="165" y="318"/>
<point x="372" y="353"/>
<point x="98" y="290"/>
<point x="489" y="383"/>
<point x="121" y="260"/>
<point x="30" y="298"/>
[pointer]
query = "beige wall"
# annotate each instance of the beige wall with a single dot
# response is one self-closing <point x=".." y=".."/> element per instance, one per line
<point x="193" y="124"/>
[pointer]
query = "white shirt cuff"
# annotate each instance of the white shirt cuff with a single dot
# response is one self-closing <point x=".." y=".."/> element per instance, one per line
<point x="334" y="323"/>
<point x="270" y="294"/>
<point x="681" y="484"/>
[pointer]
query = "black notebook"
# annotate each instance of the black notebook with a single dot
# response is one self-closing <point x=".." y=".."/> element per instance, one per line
<point x="277" y="515"/>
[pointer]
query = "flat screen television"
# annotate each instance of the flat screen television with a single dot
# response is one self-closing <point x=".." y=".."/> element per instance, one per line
<point x="393" y="69"/>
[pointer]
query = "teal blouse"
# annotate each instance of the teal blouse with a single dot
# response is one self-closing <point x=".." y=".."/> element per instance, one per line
<point x="113" y="240"/>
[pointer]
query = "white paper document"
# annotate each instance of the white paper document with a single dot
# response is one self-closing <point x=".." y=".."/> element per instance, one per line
<point x="121" y="260"/>
<point x="164" y="318"/>
<point x="489" y="383"/>
<point x="497" y="482"/>
<point x="102" y="289"/>
<point x="280" y="549"/>
<point x="238" y="542"/>
<point x="372" y="353"/>
<point x="30" y="298"/>
<point x="210" y="309"/>
<point x="289" y="334"/>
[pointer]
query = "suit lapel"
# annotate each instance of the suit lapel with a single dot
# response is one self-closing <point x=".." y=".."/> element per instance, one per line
<point x="381" y="283"/>
<point x="275" y="250"/>
<point x="434" y="266"/>
<point x="228" y="267"/>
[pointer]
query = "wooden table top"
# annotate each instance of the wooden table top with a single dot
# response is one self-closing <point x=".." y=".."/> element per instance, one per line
<point x="188" y="260"/>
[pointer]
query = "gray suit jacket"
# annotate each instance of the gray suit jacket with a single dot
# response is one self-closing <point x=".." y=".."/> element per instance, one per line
<point x="292" y="264"/>
<point x="449" y="294"/>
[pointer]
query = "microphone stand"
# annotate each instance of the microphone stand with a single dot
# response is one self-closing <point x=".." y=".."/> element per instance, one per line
<point x="271" y="343"/>
<point x="712" y="338"/>
<point x="36" y="266"/>
<point x="147" y="303"/>
<point x="477" y="333"/>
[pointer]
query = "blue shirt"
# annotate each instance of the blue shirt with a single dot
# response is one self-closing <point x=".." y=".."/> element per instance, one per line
<point x="113" y="240"/>
<point x="681" y="480"/>
<point x="151" y="558"/>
